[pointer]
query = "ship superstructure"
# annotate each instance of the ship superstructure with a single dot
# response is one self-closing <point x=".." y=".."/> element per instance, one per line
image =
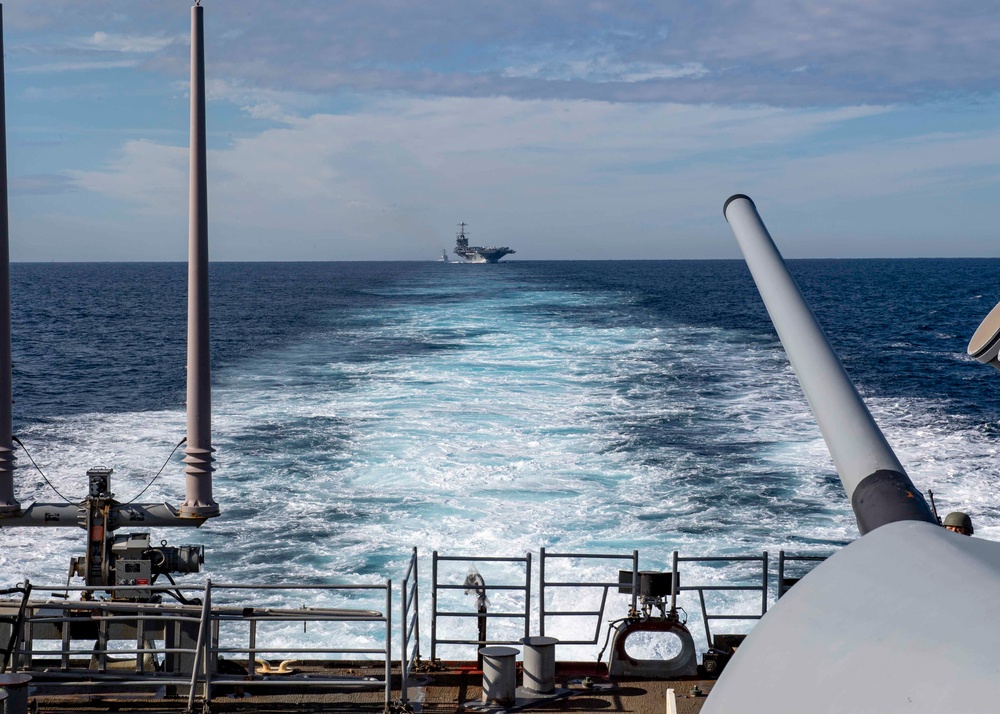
<point x="478" y="253"/>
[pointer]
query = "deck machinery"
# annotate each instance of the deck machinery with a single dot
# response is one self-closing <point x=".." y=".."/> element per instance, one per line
<point x="126" y="565"/>
<point x="114" y="560"/>
<point x="118" y="560"/>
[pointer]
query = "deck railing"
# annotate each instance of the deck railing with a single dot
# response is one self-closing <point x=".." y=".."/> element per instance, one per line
<point x="730" y="560"/>
<point x="784" y="582"/>
<point x="409" y="625"/>
<point x="183" y="645"/>
<point x="545" y="584"/>
<point x="191" y="651"/>
<point x="481" y="615"/>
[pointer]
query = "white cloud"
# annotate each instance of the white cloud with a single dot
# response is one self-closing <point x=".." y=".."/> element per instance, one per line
<point x="141" y="44"/>
<point x="75" y="66"/>
<point x="257" y="102"/>
<point x="387" y="182"/>
<point x="149" y="177"/>
<point x="605" y="69"/>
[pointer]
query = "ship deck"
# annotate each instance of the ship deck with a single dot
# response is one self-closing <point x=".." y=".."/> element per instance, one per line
<point x="450" y="687"/>
<point x="96" y="654"/>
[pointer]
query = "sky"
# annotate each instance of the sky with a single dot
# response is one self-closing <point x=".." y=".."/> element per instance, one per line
<point x="565" y="129"/>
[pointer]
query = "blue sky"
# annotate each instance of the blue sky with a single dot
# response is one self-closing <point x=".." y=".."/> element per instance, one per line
<point x="565" y="129"/>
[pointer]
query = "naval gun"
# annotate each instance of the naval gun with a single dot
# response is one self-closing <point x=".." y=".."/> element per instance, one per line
<point x="901" y="619"/>
<point x="117" y="560"/>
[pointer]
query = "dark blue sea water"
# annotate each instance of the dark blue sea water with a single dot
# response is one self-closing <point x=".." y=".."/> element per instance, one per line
<point x="364" y="408"/>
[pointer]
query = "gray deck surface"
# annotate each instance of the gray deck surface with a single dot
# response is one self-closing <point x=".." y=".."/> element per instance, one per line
<point x="453" y="688"/>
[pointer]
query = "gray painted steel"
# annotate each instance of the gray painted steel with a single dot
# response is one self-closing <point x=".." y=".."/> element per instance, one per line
<point x="858" y="448"/>
<point x="198" y="452"/>
<point x="904" y="619"/>
<point x="71" y="515"/>
<point x="539" y="665"/>
<point x="8" y="502"/>
<point x="15" y="690"/>
<point x="985" y="343"/>
<point x="499" y="675"/>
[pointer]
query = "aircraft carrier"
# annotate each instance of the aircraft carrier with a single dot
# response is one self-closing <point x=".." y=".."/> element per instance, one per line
<point x="478" y="253"/>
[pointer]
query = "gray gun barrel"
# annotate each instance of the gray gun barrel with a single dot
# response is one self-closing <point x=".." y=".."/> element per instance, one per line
<point x="876" y="484"/>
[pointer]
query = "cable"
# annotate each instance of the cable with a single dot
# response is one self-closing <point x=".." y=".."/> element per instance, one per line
<point x="607" y="638"/>
<point x="176" y="594"/>
<point x="158" y="472"/>
<point x="19" y="443"/>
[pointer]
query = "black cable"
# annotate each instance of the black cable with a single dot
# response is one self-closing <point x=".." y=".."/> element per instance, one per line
<point x="158" y="472"/>
<point x="18" y="442"/>
<point x="607" y="638"/>
<point x="176" y="594"/>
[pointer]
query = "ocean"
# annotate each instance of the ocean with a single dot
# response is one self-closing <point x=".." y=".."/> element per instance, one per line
<point x="361" y="409"/>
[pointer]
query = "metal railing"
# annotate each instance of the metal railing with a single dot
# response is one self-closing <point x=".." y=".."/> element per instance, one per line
<point x="409" y="625"/>
<point x="190" y="632"/>
<point x="180" y="645"/>
<point x="706" y="616"/>
<point x="15" y="622"/>
<point x="481" y="616"/>
<point x="785" y="583"/>
<point x="598" y="614"/>
<point x="305" y="615"/>
<point x="101" y="622"/>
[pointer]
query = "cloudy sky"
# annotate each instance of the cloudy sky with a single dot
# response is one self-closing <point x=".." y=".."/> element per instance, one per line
<point x="366" y="130"/>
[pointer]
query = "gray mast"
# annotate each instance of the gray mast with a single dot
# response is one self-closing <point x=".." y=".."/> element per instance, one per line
<point x="876" y="484"/>
<point x="8" y="503"/>
<point x="198" y="452"/>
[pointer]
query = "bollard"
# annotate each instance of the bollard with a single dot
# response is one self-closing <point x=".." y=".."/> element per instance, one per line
<point x="540" y="664"/>
<point x="15" y="686"/>
<point x="499" y="677"/>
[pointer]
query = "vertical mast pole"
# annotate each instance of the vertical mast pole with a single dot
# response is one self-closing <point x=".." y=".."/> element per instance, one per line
<point x="8" y="503"/>
<point x="198" y="452"/>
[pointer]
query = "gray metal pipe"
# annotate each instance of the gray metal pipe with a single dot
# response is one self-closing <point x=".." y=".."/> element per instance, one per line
<point x="70" y="515"/>
<point x="198" y="452"/>
<point x="8" y="502"/>
<point x="875" y="482"/>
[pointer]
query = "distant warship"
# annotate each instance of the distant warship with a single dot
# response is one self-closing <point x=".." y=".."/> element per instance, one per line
<point x="476" y="253"/>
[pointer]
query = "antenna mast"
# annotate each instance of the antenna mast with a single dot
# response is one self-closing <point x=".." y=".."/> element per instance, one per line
<point x="198" y="452"/>
<point x="9" y="505"/>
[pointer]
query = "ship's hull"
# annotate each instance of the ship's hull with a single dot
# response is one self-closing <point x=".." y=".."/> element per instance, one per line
<point x="484" y="255"/>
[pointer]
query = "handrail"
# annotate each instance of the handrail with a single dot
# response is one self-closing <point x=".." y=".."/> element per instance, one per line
<point x="481" y="615"/>
<point x="16" y="623"/>
<point x="702" y="589"/>
<point x="303" y="615"/>
<point x="178" y="645"/>
<point x="200" y="647"/>
<point x="785" y="583"/>
<point x="143" y="620"/>
<point x="543" y="584"/>
<point x="409" y="626"/>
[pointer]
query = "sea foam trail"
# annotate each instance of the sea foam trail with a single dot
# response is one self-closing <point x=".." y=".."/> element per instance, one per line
<point x="478" y="413"/>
